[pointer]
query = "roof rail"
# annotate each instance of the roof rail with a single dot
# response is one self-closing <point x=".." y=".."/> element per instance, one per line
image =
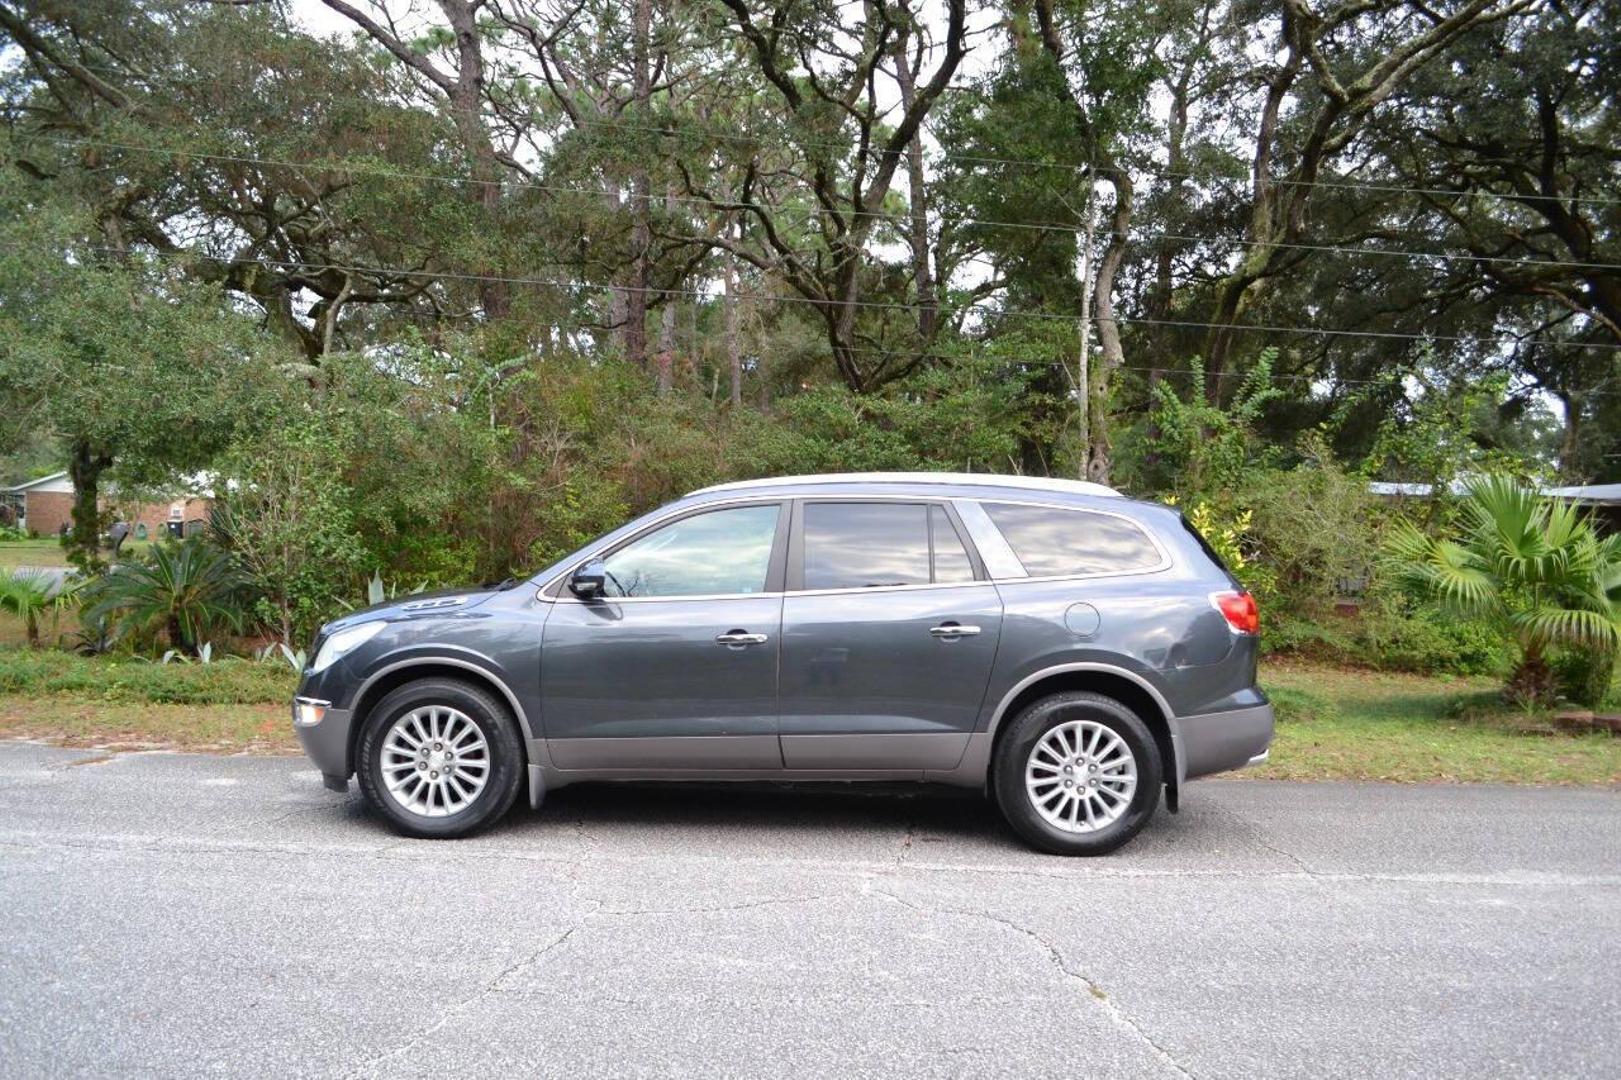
<point x="1029" y="483"/>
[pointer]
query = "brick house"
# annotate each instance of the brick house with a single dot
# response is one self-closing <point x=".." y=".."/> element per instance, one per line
<point x="44" y="507"/>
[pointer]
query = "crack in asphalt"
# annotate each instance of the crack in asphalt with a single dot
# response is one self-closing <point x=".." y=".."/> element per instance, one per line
<point x="1118" y="1016"/>
<point x="490" y="986"/>
<point x="610" y="913"/>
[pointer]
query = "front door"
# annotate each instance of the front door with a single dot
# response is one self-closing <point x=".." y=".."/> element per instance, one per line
<point x="676" y="667"/>
<point x="887" y="640"/>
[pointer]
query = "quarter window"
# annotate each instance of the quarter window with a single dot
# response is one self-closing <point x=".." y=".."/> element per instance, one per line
<point x="718" y="553"/>
<point x="951" y="562"/>
<point x="1057" y="543"/>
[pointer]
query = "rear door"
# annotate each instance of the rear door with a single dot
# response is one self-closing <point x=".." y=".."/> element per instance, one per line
<point x="888" y="636"/>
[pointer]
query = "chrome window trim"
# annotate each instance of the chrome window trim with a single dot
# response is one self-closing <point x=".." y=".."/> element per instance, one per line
<point x="607" y="600"/>
<point x="958" y="502"/>
<point x="867" y="590"/>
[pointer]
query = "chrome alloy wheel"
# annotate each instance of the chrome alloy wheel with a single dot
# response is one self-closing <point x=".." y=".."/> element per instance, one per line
<point x="435" y="761"/>
<point x="1081" y="776"/>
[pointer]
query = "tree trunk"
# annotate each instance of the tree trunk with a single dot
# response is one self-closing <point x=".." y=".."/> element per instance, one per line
<point x="928" y="305"/>
<point x="1570" y="440"/>
<point x="641" y="232"/>
<point x="466" y="98"/>
<point x="665" y="360"/>
<point x="734" y="346"/>
<point x="1099" y="451"/>
<point x="85" y="466"/>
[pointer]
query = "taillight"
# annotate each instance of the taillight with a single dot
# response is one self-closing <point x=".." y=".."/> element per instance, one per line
<point x="1240" y="611"/>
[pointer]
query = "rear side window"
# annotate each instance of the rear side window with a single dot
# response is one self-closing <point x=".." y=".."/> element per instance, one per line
<point x="869" y="544"/>
<point x="862" y="545"/>
<point x="1058" y="543"/>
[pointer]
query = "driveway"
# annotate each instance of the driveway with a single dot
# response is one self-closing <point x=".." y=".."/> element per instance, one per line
<point x="174" y="915"/>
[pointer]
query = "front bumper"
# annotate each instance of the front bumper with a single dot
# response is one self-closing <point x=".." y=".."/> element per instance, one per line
<point x="1217" y="742"/>
<point x="327" y="744"/>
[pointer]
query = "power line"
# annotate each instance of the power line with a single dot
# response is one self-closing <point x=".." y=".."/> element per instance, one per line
<point x="895" y="218"/>
<point x="438" y="275"/>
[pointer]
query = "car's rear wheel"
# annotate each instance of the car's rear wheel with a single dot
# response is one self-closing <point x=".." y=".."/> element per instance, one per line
<point x="440" y="758"/>
<point x="1077" y="774"/>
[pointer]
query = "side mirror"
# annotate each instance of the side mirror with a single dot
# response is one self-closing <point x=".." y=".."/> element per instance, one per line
<point x="590" y="581"/>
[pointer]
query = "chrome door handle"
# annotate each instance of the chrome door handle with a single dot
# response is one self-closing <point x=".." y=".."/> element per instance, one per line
<point x="952" y="631"/>
<point x="736" y="638"/>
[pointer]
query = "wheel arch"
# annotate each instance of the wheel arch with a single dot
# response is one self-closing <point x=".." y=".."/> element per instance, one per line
<point x="1126" y="687"/>
<point x="391" y="677"/>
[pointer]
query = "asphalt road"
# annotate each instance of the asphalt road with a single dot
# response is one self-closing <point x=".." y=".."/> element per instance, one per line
<point x="175" y="915"/>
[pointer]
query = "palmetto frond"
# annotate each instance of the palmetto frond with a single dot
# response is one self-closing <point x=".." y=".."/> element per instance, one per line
<point x="1451" y="573"/>
<point x="1555" y="625"/>
<point x="1538" y="566"/>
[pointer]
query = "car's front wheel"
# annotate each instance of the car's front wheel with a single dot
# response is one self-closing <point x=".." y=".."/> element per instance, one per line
<point x="1077" y="774"/>
<point x="439" y="759"/>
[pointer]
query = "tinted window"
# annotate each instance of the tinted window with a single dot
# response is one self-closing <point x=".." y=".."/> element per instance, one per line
<point x="712" y="554"/>
<point x="858" y="545"/>
<point x="1052" y="543"/>
<point x="951" y="561"/>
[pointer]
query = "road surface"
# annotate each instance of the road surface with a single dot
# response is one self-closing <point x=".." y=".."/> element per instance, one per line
<point x="175" y="915"/>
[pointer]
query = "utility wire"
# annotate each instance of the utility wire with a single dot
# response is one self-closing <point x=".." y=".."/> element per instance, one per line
<point x="365" y="168"/>
<point x="441" y="275"/>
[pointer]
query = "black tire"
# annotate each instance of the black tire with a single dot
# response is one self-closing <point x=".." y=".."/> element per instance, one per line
<point x="494" y="722"/>
<point x="1027" y="729"/>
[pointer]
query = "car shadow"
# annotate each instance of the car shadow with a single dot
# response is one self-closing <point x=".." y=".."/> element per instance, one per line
<point x="931" y="813"/>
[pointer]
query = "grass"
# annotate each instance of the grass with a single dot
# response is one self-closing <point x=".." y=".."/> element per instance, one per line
<point x="47" y="551"/>
<point x="69" y="721"/>
<point x="1335" y="724"/>
<point x="230" y="705"/>
<point x="123" y="680"/>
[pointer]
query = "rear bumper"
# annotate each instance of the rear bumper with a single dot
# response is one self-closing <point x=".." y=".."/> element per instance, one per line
<point x="327" y="745"/>
<point x="1216" y="742"/>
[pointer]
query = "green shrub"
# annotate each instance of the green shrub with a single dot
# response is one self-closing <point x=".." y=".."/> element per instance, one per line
<point x="1585" y="676"/>
<point x="188" y="591"/>
<point x="1386" y="635"/>
<point x="126" y="679"/>
<point x="1426" y="641"/>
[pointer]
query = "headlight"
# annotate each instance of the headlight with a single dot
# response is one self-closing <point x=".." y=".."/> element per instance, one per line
<point x="344" y="642"/>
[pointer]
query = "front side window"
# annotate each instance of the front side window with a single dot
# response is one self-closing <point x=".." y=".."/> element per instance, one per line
<point x="1059" y="543"/>
<point x="717" y="553"/>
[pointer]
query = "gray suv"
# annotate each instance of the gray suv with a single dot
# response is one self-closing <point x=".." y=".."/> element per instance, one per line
<point x="1069" y="651"/>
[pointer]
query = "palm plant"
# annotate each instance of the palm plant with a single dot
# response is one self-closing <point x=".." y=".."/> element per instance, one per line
<point x="187" y="590"/>
<point x="1535" y="568"/>
<point x="29" y="594"/>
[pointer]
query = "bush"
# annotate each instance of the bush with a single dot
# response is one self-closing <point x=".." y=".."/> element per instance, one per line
<point x="1386" y="635"/>
<point x="1585" y="676"/>
<point x="188" y="591"/>
<point x="125" y="679"/>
